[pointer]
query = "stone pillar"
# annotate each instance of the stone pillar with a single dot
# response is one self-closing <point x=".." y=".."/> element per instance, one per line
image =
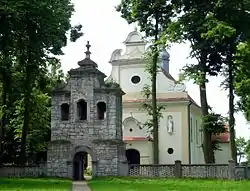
<point x="94" y="168"/>
<point x="70" y="169"/>
<point x="231" y="169"/>
<point x="123" y="167"/>
<point x="178" y="169"/>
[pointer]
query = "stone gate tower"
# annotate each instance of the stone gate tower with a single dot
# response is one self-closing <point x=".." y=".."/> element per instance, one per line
<point x="86" y="118"/>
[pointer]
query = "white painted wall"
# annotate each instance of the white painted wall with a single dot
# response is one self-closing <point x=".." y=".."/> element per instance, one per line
<point x="222" y="157"/>
<point x="132" y="128"/>
<point x="124" y="75"/>
<point x="197" y="157"/>
<point x="145" y="149"/>
<point x="167" y="140"/>
<point x="196" y="137"/>
<point x="140" y="117"/>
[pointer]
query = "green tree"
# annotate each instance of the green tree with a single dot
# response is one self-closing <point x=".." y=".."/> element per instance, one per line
<point x="190" y="25"/>
<point x="247" y="152"/>
<point x="152" y="16"/>
<point x="39" y="127"/>
<point x="241" y="145"/>
<point x="242" y="79"/>
<point x="39" y="32"/>
<point x="6" y="47"/>
<point x="225" y="29"/>
<point x="214" y="32"/>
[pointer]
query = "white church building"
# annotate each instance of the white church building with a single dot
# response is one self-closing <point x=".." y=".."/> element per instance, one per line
<point x="180" y="135"/>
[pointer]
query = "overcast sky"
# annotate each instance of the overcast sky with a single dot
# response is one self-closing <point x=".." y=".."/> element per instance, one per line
<point x="106" y="31"/>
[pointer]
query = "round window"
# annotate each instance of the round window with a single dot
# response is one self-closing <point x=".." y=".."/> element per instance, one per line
<point x="170" y="151"/>
<point x="135" y="79"/>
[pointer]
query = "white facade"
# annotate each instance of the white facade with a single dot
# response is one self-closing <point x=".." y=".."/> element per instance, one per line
<point x="196" y="137"/>
<point x="131" y="63"/>
<point x="178" y="140"/>
<point x="223" y="156"/>
<point x="173" y="140"/>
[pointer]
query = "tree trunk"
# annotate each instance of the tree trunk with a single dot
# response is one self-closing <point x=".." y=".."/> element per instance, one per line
<point x="3" y="120"/>
<point x="26" y="117"/>
<point x="239" y="158"/>
<point x="154" y="99"/>
<point x="28" y="61"/>
<point x="207" y="136"/>
<point x="231" y="110"/>
<point x="5" y="79"/>
<point x="155" y="120"/>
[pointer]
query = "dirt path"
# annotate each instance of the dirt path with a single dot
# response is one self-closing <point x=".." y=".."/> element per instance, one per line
<point x="80" y="186"/>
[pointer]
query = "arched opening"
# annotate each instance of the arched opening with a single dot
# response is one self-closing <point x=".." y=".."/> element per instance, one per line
<point x="133" y="156"/>
<point x="82" y="168"/>
<point x="65" y="112"/>
<point x="101" y="110"/>
<point x="82" y="109"/>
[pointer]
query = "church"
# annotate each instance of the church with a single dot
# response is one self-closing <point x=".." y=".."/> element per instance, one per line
<point x="180" y="135"/>
<point x="100" y="123"/>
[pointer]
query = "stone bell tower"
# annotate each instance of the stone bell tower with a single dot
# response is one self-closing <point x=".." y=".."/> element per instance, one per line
<point x="86" y="118"/>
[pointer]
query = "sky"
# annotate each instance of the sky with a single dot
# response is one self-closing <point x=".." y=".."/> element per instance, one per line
<point x="106" y="31"/>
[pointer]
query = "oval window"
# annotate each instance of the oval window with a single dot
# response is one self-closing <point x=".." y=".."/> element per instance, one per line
<point x="135" y="79"/>
<point x="170" y="151"/>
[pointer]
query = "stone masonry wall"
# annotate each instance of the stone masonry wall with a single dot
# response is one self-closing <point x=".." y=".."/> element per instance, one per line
<point x="102" y="139"/>
<point x="57" y="160"/>
<point x="107" y="156"/>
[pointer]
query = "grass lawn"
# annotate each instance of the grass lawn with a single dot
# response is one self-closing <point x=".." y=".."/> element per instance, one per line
<point x="136" y="184"/>
<point x="27" y="184"/>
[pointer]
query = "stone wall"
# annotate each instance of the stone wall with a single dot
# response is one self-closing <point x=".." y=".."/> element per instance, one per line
<point x="242" y="172"/>
<point x="178" y="170"/>
<point x="107" y="164"/>
<point x="29" y="171"/>
<point x="57" y="164"/>
<point x="92" y="128"/>
<point x="86" y="134"/>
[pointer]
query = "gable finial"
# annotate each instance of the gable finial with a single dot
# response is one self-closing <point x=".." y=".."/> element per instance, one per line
<point x="88" y="52"/>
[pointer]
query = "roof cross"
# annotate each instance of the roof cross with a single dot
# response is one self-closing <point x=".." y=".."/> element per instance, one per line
<point x="88" y="52"/>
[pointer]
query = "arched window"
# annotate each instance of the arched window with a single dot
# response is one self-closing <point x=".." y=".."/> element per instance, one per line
<point x="65" y="112"/>
<point x="101" y="110"/>
<point x="82" y="109"/>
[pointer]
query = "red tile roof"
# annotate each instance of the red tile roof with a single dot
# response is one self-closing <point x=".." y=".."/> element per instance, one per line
<point x="159" y="100"/>
<point x="133" y="138"/>
<point x="223" y="137"/>
<point x="178" y="99"/>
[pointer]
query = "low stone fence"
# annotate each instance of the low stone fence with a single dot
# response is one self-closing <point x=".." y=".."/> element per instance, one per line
<point x="179" y="170"/>
<point x="28" y="171"/>
<point x="242" y="172"/>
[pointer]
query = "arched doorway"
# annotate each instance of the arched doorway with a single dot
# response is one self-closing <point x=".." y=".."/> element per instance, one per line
<point x="80" y="165"/>
<point x="133" y="156"/>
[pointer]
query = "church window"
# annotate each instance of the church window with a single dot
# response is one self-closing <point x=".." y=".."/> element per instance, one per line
<point x="135" y="79"/>
<point x="170" y="151"/>
<point x="191" y="129"/>
<point x="196" y="129"/>
<point x="82" y="109"/>
<point x="201" y="135"/>
<point x="65" y="112"/>
<point x="101" y="110"/>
